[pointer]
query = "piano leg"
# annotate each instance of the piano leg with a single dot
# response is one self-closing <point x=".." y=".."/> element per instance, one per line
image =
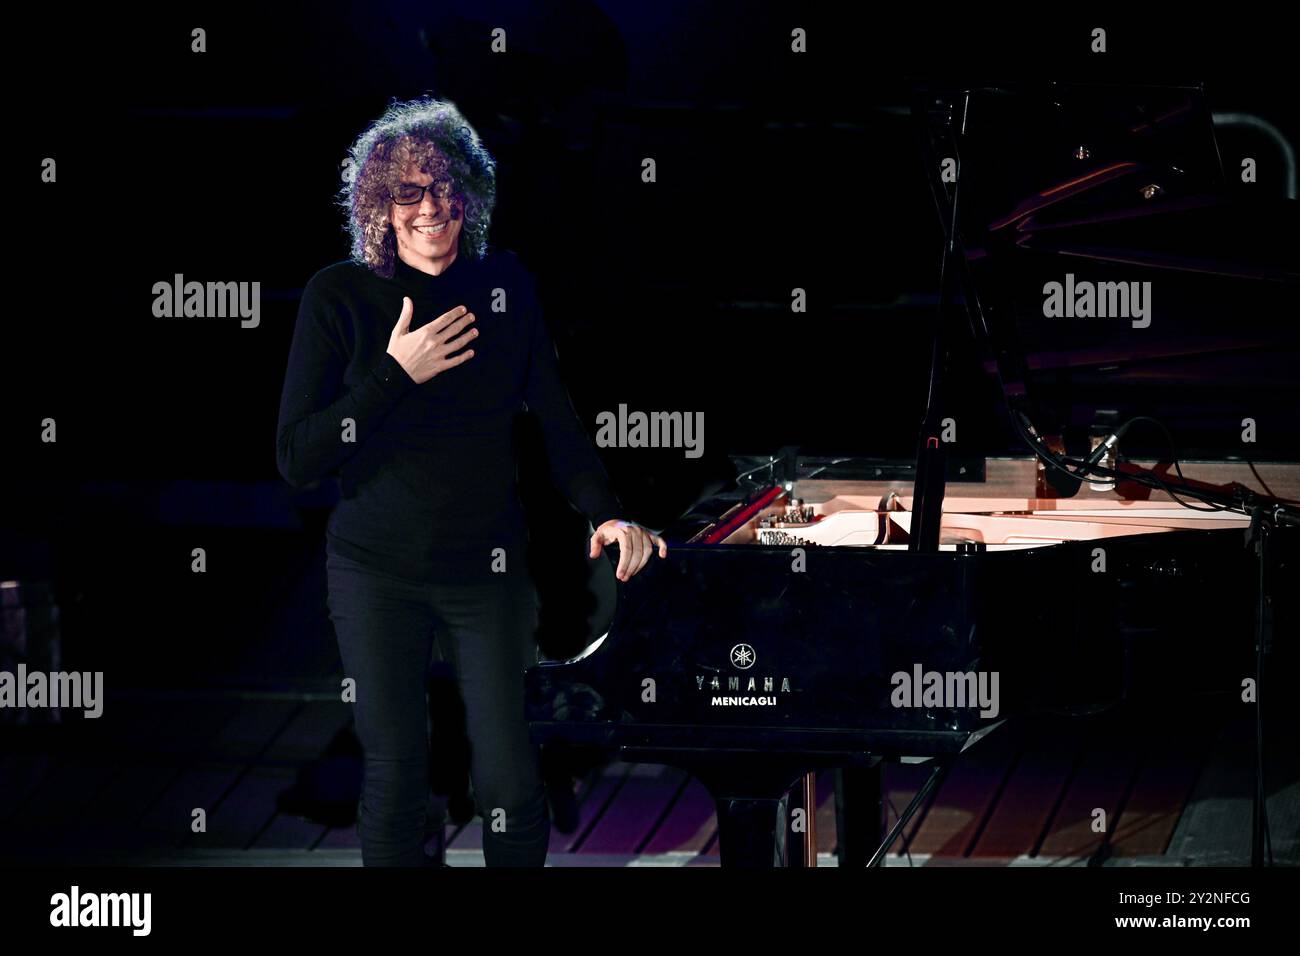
<point x="859" y="813"/>
<point x="747" y="832"/>
<point x="747" y="790"/>
<point x="797" y="848"/>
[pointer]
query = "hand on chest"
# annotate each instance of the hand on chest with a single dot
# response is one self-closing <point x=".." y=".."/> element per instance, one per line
<point x="499" y="363"/>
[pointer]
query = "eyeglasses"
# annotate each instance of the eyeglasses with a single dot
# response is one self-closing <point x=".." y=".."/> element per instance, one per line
<point x="408" y="194"/>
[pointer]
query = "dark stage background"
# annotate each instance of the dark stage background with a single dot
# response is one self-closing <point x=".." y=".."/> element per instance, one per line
<point x="775" y="171"/>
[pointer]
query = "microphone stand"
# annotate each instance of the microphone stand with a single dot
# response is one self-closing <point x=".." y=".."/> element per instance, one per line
<point x="1266" y="517"/>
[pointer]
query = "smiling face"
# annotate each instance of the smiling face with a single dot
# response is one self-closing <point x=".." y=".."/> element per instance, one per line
<point x="428" y="232"/>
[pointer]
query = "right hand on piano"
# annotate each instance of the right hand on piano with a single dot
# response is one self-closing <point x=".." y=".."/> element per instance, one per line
<point x="635" y="545"/>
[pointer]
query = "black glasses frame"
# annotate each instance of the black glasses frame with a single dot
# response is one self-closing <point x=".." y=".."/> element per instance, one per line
<point x="442" y="184"/>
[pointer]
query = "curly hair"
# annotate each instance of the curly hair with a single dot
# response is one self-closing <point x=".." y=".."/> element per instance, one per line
<point x="439" y="140"/>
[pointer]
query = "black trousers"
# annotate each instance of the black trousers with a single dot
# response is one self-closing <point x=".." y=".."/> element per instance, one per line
<point x="486" y="629"/>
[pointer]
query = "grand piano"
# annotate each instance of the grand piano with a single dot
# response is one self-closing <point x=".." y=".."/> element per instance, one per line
<point x="834" y="612"/>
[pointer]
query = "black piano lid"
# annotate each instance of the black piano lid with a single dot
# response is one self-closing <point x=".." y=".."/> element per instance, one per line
<point x="1123" y="184"/>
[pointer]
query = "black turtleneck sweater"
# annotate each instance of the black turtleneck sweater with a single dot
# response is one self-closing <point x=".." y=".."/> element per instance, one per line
<point x="428" y="484"/>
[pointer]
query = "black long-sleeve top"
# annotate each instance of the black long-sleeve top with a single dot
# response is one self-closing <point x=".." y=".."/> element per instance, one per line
<point x="429" y="481"/>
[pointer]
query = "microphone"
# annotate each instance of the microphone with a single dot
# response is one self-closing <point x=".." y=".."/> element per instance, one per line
<point x="1103" y="449"/>
<point x="1067" y="483"/>
<point x="1285" y="518"/>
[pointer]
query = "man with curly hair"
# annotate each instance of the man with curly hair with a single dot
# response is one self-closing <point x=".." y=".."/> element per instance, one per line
<point x="408" y="365"/>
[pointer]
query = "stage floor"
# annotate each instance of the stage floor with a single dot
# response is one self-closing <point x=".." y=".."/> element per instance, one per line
<point x="124" y="791"/>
